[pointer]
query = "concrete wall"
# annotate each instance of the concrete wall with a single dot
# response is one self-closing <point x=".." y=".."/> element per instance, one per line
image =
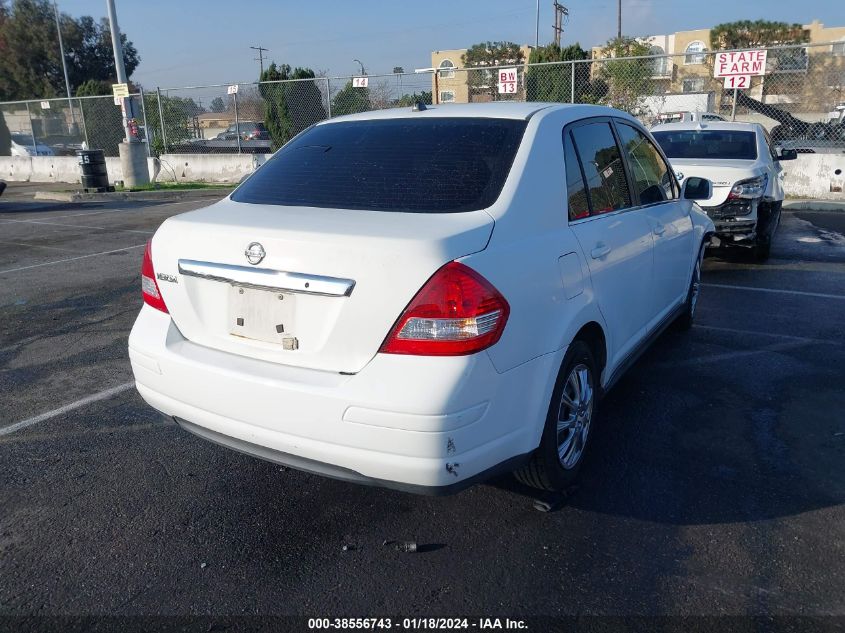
<point x="810" y="176"/>
<point x="218" y="168"/>
<point x="815" y="176"/>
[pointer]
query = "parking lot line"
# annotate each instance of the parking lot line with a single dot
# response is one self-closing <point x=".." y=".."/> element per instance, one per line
<point x="69" y="259"/>
<point x="769" y="334"/>
<point x="79" y="226"/>
<point x="103" y="395"/>
<point x="730" y="356"/>
<point x="52" y="248"/>
<point x="819" y="295"/>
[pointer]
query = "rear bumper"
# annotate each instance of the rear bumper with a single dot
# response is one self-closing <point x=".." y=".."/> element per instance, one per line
<point x="423" y="424"/>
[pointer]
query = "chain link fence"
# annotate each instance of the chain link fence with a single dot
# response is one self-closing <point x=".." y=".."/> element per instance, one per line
<point x="800" y="101"/>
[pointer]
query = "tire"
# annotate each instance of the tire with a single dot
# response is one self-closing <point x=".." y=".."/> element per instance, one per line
<point x="686" y="318"/>
<point x="763" y="247"/>
<point x="762" y="251"/>
<point x="554" y="465"/>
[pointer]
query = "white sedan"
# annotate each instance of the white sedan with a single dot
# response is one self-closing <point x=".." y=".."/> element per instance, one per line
<point x="23" y="145"/>
<point x="422" y="298"/>
<point x="745" y="169"/>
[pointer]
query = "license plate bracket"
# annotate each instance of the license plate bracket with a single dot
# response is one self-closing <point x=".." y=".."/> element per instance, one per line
<point x="262" y="315"/>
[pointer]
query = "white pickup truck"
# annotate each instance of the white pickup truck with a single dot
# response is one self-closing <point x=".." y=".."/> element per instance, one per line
<point x="746" y="172"/>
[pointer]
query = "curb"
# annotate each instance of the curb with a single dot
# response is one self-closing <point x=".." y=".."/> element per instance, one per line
<point x="186" y="194"/>
<point x="814" y="205"/>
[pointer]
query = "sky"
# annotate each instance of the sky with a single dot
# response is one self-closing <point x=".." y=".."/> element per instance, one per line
<point x="198" y="42"/>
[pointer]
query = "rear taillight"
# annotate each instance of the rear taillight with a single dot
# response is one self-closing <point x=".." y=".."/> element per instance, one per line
<point x="456" y="312"/>
<point x="149" y="286"/>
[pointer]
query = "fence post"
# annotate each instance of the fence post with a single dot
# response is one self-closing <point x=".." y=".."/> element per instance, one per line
<point x="572" y="85"/>
<point x="237" y="120"/>
<point x="84" y="124"/>
<point x="329" y="97"/>
<point x="144" y="114"/>
<point x="31" y="129"/>
<point x="733" y="107"/>
<point x="161" y="120"/>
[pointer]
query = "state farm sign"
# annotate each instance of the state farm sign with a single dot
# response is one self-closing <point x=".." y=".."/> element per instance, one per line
<point x="736" y="64"/>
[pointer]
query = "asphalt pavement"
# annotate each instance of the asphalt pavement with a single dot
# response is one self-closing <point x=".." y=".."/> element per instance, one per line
<point x="714" y="485"/>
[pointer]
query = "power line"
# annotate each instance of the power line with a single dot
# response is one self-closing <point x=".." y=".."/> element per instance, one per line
<point x="260" y="58"/>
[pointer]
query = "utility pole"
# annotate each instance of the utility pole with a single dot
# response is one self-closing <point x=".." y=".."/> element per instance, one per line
<point x="73" y="127"/>
<point x="537" y="27"/>
<point x="133" y="154"/>
<point x="619" y="19"/>
<point x="561" y="19"/>
<point x="260" y="59"/>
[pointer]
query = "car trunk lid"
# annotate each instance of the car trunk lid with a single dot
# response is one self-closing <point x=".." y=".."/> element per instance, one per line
<point x="326" y="291"/>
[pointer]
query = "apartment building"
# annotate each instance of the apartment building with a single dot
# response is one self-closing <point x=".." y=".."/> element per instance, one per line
<point x="687" y="70"/>
<point x="451" y="86"/>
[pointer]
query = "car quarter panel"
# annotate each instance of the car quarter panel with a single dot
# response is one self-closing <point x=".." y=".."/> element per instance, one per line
<point x="401" y="418"/>
<point x="530" y="237"/>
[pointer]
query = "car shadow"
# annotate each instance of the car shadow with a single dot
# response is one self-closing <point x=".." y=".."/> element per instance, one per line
<point x="720" y="442"/>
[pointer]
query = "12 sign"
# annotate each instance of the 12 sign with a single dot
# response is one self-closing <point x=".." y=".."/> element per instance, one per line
<point x="507" y="81"/>
<point x="738" y="82"/>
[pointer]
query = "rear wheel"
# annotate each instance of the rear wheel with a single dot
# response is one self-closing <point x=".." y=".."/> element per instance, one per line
<point x="556" y="462"/>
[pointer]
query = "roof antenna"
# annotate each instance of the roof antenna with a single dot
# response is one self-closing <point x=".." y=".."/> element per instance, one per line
<point x="419" y="106"/>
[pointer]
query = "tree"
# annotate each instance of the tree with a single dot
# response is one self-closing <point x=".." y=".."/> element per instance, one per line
<point x="628" y="81"/>
<point x="290" y="106"/>
<point x="350" y="100"/>
<point x="489" y="55"/>
<point x="756" y="34"/>
<point x="217" y="105"/>
<point x="409" y="100"/>
<point x="179" y="123"/>
<point x="554" y="82"/>
<point x="31" y="65"/>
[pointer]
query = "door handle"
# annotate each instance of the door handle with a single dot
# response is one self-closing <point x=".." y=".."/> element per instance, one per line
<point x="659" y="229"/>
<point x="600" y="251"/>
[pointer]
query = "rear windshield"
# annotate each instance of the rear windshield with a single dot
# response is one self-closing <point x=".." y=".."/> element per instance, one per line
<point x="436" y="165"/>
<point x="724" y="144"/>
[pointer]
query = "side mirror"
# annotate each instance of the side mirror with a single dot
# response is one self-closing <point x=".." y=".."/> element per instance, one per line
<point x="695" y="188"/>
<point x="787" y="154"/>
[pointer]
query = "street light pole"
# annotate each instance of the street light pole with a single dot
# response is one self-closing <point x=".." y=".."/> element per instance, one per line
<point x="363" y="72"/>
<point x="120" y="69"/>
<point x="133" y="156"/>
<point x="73" y="128"/>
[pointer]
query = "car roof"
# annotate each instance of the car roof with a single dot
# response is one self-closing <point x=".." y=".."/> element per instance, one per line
<point x="499" y="110"/>
<point x="707" y="125"/>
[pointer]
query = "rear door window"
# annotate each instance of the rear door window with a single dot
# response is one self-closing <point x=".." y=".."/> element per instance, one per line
<point x="652" y="177"/>
<point x="425" y="165"/>
<point x="576" y="191"/>
<point x="603" y="169"/>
